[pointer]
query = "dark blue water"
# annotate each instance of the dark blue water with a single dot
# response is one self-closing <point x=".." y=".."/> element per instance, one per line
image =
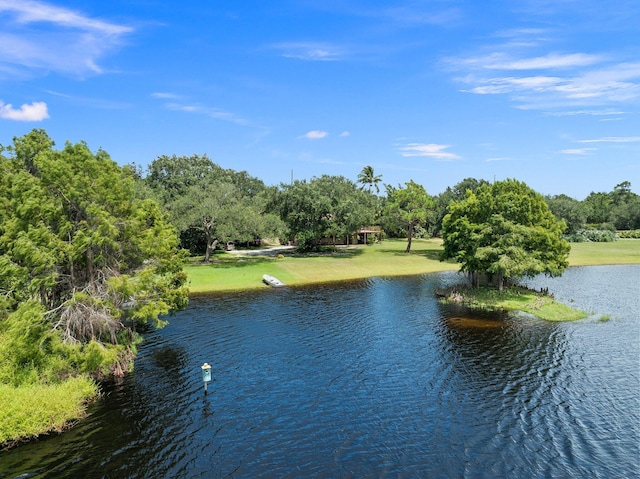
<point x="370" y="379"/>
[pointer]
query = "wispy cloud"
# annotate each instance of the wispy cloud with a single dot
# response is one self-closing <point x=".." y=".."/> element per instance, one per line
<point x="209" y="111"/>
<point x="578" y="151"/>
<point x="533" y="78"/>
<point x="344" y="134"/>
<point x="606" y="112"/>
<point x="613" y="139"/>
<point x="551" y="60"/>
<point x="402" y="14"/>
<point x="165" y="96"/>
<point x="315" y="134"/>
<point x="312" y="51"/>
<point x="431" y="150"/>
<point x="38" y="36"/>
<point x="36" y="111"/>
<point x="31" y="11"/>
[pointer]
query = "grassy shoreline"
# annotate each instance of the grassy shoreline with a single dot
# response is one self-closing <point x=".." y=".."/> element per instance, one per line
<point x="33" y="410"/>
<point x="229" y="272"/>
<point x="514" y="299"/>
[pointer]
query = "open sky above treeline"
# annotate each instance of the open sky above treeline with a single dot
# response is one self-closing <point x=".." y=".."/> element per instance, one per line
<point x="434" y="91"/>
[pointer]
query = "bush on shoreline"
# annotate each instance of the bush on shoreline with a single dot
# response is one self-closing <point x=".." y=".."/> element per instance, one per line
<point x="513" y="298"/>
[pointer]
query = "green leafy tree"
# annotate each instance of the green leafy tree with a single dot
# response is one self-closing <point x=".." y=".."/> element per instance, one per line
<point x="172" y="176"/>
<point x="568" y="209"/>
<point x="456" y="193"/>
<point x="598" y="207"/>
<point x="625" y="213"/>
<point x="408" y="208"/>
<point x="221" y="213"/>
<point x="210" y="204"/>
<point x="76" y="240"/>
<point x="325" y="207"/>
<point x="504" y="231"/>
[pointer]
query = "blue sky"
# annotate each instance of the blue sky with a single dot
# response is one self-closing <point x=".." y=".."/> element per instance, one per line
<point x="434" y="91"/>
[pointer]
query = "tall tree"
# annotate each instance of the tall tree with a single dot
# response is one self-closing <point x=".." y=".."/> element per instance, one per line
<point x="221" y="213"/>
<point x="598" y="207"/>
<point x="504" y="231"/>
<point x="408" y="207"/>
<point x="568" y="209"/>
<point x="76" y="240"/>
<point x="210" y="204"/>
<point x="455" y="193"/>
<point x="171" y="176"/>
<point x="368" y="179"/>
<point x="325" y="207"/>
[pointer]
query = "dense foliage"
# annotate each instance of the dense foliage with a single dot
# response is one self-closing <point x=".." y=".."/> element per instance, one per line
<point x="210" y="205"/>
<point x="407" y="208"/>
<point x="504" y="231"/>
<point x="618" y="209"/>
<point x="325" y="208"/>
<point x="81" y="259"/>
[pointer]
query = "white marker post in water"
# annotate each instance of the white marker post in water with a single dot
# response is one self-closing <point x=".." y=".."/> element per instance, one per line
<point x="206" y="375"/>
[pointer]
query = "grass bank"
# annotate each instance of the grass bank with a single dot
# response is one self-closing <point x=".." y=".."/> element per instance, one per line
<point x="31" y="410"/>
<point x="515" y="299"/>
<point x="231" y="272"/>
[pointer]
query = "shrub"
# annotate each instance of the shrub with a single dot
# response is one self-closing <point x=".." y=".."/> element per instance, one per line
<point x="597" y="236"/>
<point x="632" y="234"/>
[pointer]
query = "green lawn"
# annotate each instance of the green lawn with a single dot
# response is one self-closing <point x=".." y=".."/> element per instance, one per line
<point x="229" y="272"/>
<point x="623" y="251"/>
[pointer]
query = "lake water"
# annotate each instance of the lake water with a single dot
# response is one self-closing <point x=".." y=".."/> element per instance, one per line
<point x="371" y="378"/>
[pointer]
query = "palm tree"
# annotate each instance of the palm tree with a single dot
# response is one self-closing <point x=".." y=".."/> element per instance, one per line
<point x="369" y="179"/>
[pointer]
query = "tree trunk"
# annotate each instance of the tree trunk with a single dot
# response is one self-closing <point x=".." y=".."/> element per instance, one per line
<point x="211" y="246"/>
<point x="410" y="236"/>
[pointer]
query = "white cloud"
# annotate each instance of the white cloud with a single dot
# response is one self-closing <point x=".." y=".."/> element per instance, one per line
<point x="36" y="111"/>
<point x="577" y="151"/>
<point x="520" y="68"/>
<point x="165" y="95"/>
<point x="30" y="11"/>
<point x="315" y="134"/>
<point x="607" y="85"/>
<point x="310" y="51"/>
<point x="430" y="150"/>
<point x="212" y="112"/>
<point x="552" y="60"/>
<point x="607" y="112"/>
<point x="613" y="139"/>
<point x="38" y="36"/>
<point x="345" y="134"/>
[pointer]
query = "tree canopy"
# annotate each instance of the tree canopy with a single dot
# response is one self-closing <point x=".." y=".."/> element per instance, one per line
<point x="407" y="208"/>
<point x="76" y="245"/>
<point x="504" y="231"/>
<point x="209" y="204"/>
<point x="328" y="207"/>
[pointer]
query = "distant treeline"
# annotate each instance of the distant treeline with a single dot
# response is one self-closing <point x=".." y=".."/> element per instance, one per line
<point x="212" y="206"/>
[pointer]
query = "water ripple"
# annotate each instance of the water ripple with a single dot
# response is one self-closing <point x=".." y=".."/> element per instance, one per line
<point x="366" y="379"/>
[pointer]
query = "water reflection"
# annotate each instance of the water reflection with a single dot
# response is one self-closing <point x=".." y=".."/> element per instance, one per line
<point x="370" y="378"/>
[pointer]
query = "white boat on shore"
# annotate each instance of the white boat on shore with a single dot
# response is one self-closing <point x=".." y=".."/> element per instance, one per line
<point x="272" y="281"/>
